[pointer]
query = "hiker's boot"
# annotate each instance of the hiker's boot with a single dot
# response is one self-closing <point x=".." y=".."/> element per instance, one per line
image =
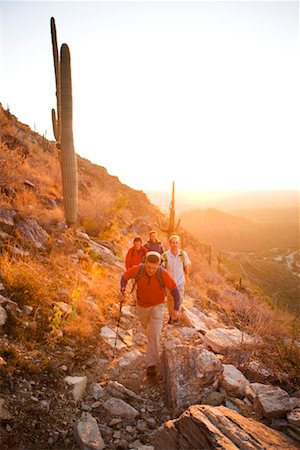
<point x="170" y="321"/>
<point x="151" y="371"/>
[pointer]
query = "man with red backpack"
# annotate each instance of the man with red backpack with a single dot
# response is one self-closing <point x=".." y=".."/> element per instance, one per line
<point x="136" y="253"/>
<point x="152" y="281"/>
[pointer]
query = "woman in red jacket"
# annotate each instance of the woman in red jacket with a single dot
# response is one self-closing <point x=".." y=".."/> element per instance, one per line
<point x="136" y="254"/>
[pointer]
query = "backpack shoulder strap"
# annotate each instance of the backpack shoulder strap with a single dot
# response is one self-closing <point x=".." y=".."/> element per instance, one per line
<point x="138" y="276"/>
<point x="165" y="259"/>
<point x="159" y="277"/>
<point x="181" y="254"/>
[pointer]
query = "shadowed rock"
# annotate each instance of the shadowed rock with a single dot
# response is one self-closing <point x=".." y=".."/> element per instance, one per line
<point x="30" y="229"/>
<point x="87" y="433"/>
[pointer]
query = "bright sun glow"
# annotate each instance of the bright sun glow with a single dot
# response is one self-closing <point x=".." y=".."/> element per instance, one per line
<point x="204" y="93"/>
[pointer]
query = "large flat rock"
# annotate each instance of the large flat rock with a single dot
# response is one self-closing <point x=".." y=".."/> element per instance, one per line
<point x="204" y="427"/>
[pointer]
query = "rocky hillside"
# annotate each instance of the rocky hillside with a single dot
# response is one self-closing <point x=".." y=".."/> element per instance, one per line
<point x="68" y="381"/>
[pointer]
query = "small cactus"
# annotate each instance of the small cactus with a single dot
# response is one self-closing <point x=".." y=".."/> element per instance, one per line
<point x="239" y="285"/>
<point x="209" y="256"/>
<point x="62" y="126"/>
<point x="171" y="226"/>
<point x="219" y="260"/>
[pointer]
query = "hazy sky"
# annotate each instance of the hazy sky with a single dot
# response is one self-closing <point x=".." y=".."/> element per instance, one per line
<point x="203" y="93"/>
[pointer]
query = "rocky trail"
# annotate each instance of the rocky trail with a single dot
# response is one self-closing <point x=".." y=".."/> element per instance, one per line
<point x="106" y="400"/>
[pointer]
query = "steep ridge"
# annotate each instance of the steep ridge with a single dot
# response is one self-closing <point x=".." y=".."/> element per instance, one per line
<point x="67" y="380"/>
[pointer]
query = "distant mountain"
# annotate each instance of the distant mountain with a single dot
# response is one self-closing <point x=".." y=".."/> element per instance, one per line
<point x="267" y="228"/>
<point x="226" y="201"/>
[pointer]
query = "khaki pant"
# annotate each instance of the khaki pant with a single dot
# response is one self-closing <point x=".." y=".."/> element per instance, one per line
<point x="152" y="321"/>
<point x="170" y="299"/>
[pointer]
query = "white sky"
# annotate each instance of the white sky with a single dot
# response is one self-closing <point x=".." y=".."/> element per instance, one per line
<point x="203" y="93"/>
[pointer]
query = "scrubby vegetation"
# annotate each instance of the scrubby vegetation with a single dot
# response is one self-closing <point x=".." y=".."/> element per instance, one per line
<point x="59" y="286"/>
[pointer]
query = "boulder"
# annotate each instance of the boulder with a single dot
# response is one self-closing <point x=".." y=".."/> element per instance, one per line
<point x="30" y="229"/>
<point x="78" y="384"/>
<point x="4" y="412"/>
<point x="233" y="381"/>
<point x="117" y="407"/>
<point x="130" y="358"/>
<point x="191" y="373"/>
<point x="205" y="427"/>
<point x="220" y="340"/>
<point x="110" y="337"/>
<point x="272" y="403"/>
<point x="198" y="320"/>
<point x="256" y="372"/>
<point x="7" y="223"/>
<point x="118" y="390"/>
<point x="87" y="433"/>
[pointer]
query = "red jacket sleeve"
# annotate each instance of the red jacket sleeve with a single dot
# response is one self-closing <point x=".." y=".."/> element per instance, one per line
<point x="130" y="273"/>
<point x="127" y="259"/>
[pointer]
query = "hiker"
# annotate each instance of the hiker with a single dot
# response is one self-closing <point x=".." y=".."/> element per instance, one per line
<point x="136" y="253"/>
<point x="152" y="280"/>
<point x="153" y="245"/>
<point x="178" y="264"/>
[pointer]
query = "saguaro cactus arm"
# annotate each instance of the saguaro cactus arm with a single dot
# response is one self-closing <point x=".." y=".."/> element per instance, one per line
<point x="56" y="117"/>
<point x="171" y="226"/>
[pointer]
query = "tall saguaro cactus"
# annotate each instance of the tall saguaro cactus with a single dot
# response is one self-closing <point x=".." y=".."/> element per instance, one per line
<point x="171" y="226"/>
<point x="63" y="127"/>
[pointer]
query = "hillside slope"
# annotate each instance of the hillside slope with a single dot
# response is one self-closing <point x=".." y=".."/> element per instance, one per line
<point x="59" y="290"/>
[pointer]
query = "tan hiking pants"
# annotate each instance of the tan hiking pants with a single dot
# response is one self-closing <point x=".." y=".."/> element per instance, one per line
<point x="152" y="321"/>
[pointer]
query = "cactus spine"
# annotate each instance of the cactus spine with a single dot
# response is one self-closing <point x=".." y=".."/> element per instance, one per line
<point x="171" y="226"/>
<point x="63" y="128"/>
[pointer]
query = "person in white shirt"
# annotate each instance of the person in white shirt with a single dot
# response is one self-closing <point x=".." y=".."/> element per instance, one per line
<point x="178" y="264"/>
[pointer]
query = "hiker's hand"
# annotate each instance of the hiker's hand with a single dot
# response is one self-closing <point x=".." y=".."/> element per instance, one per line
<point x="122" y="294"/>
<point x="175" y="315"/>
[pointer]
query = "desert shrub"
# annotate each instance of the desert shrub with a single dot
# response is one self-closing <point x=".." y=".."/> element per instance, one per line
<point x="26" y="280"/>
<point x="94" y="211"/>
<point x="10" y="162"/>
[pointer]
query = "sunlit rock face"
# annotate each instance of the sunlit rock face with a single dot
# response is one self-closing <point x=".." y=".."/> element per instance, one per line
<point x="191" y="374"/>
<point x="206" y="427"/>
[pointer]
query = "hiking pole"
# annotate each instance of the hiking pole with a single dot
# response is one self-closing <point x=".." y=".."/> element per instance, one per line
<point x="119" y="319"/>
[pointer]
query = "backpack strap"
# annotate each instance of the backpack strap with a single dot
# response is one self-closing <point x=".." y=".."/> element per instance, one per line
<point x="182" y="260"/>
<point x="159" y="277"/>
<point x="165" y="259"/>
<point x="138" y="276"/>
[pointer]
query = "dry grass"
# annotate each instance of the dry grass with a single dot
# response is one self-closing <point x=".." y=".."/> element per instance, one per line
<point x="10" y="162"/>
<point x="93" y="211"/>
